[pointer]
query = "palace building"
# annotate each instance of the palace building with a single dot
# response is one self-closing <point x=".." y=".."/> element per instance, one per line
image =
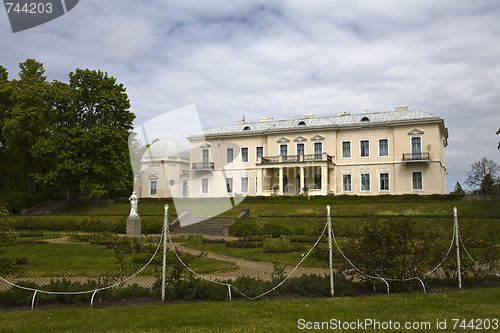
<point x="396" y="152"/>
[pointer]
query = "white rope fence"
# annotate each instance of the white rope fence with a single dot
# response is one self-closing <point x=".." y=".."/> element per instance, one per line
<point x="229" y="286"/>
<point x="165" y="237"/>
<point x="93" y="291"/>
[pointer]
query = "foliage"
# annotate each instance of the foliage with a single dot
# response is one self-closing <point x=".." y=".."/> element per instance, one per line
<point x="390" y="247"/>
<point x="479" y="171"/>
<point x="62" y="138"/>
<point x="8" y="263"/>
<point x="458" y="189"/>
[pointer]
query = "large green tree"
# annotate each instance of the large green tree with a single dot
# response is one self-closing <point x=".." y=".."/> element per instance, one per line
<point x="25" y="115"/>
<point x="90" y="136"/>
<point x="60" y="138"/>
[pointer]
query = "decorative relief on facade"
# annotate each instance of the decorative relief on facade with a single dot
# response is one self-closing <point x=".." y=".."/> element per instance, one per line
<point x="415" y="132"/>
<point x="318" y="137"/>
<point x="300" y="138"/>
<point x="283" y="140"/>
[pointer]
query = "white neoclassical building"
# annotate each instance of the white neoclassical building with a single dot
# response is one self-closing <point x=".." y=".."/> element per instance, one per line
<point x="396" y="152"/>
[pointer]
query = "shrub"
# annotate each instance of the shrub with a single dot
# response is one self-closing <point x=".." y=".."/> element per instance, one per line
<point x="273" y="229"/>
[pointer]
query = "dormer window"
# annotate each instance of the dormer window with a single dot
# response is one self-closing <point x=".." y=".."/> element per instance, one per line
<point x="246" y="128"/>
<point x="302" y="123"/>
<point x="365" y="118"/>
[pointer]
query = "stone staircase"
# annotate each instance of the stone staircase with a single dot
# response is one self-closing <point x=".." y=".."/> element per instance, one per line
<point x="207" y="226"/>
<point x="47" y="207"/>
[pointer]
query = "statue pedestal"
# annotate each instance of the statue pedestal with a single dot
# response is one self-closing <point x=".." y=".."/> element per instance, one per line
<point x="133" y="225"/>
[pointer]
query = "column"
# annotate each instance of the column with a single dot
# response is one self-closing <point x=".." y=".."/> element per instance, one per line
<point x="324" y="179"/>
<point x="301" y="178"/>
<point x="280" y="191"/>
<point x="259" y="181"/>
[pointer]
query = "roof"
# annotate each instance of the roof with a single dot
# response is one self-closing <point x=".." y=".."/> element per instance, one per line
<point x="344" y="120"/>
<point x="166" y="148"/>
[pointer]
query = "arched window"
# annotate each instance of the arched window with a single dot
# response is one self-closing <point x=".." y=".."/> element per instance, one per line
<point x="365" y="118"/>
<point x="302" y="123"/>
<point x="246" y="128"/>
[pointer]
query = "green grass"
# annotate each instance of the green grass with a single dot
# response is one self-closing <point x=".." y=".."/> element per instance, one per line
<point x="88" y="260"/>
<point x="341" y="205"/>
<point x="265" y="316"/>
<point x="259" y="253"/>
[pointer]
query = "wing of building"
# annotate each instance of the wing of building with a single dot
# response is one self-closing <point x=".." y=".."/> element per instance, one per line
<point x="397" y="152"/>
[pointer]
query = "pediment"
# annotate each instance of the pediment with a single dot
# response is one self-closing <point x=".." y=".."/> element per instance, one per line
<point x="283" y="140"/>
<point x="318" y="137"/>
<point x="300" y="138"/>
<point x="415" y="132"/>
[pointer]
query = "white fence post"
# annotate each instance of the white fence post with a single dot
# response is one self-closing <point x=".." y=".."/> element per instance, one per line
<point x="165" y="236"/>
<point x="457" y="243"/>
<point x="329" y="220"/>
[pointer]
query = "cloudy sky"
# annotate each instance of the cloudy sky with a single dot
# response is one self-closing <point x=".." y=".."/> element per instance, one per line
<point x="282" y="58"/>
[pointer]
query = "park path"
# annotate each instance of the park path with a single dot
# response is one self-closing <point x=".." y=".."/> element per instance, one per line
<point x="253" y="269"/>
<point x="245" y="268"/>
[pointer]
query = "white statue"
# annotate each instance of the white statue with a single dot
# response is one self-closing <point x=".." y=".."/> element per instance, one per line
<point x="133" y="204"/>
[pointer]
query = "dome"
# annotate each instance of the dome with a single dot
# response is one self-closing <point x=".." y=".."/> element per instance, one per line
<point x="166" y="148"/>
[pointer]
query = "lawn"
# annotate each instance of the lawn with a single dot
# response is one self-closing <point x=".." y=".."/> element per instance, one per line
<point x="75" y="259"/>
<point x="422" y="310"/>
<point x="293" y="206"/>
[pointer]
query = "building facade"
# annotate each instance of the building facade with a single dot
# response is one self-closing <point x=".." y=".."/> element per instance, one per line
<point x="397" y="152"/>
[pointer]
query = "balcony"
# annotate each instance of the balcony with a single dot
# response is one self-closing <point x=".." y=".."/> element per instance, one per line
<point x="416" y="157"/>
<point x="203" y="166"/>
<point x="296" y="158"/>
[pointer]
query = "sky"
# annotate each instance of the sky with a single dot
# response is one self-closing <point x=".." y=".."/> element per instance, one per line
<point x="254" y="59"/>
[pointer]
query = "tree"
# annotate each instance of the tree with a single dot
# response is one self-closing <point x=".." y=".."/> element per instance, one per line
<point x="89" y="140"/>
<point x="479" y="170"/>
<point x="498" y="132"/>
<point x="487" y="186"/>
<point x="458" y="189"/>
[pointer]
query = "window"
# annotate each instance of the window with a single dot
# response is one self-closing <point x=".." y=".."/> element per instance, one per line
<point x="300" y="149"/>
<point x="364" y="148"/>
<point x="302" y="123"/>
<point x="318" y="150"/>
<point x="284" y="152"/>
<point x="171" y="182"/>
<point x="153" y="187"/>
<point x="365" y="182"/>
<point x="204" y="186"/>
<point x="384" y="182"/>
<point x="246" y="128"/>
<point x="317" y="181"/>
<point x="244" y="155"/>
<point x="244" y="185"/>
<point x="229" y="185"/>
<point x="383" y="147"/>
<point x="205" y="158"/>
<point x="346" y="149"/>
<point x="416" y="148"/>
<point x="229" y="155"/>
<point x="346" y="183"/>
<point x="259" y="152"/>
<point x="417" y="181"/>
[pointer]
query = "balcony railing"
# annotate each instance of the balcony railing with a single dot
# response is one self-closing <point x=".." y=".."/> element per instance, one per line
<point x="416" y="157"/>
<point x="203" y="166"/>
<point x="296" y="158"/>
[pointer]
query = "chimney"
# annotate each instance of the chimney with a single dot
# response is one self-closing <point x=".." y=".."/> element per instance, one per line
<point x="292" y="118"/>
<point x="240" y="122"/>
<point x="400" y="108"/>
<point x="266" y="119"/>
<point x="365" y="111"/>
<point x="309" y="116"/>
